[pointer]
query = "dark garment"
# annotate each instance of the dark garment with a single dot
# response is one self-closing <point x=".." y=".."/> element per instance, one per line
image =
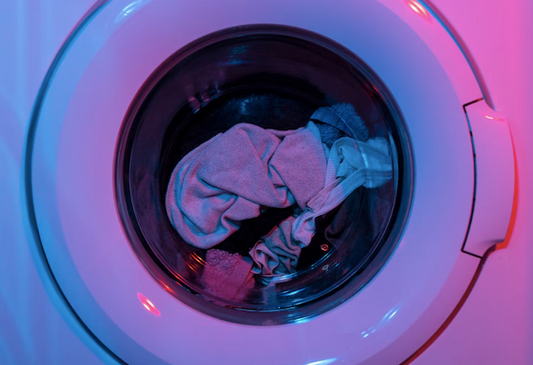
<point x="343" y="117"/>
<point x="346" y="231"/>
<point x="329" y="134"/>
<point x="350" y="223"/>
<point x="251" y="230"/>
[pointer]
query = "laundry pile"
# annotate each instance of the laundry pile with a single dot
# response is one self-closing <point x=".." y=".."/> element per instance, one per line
<point x="248" y="171"/>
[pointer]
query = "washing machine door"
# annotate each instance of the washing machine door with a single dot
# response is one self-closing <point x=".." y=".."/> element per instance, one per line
<point x="79" y="170"/>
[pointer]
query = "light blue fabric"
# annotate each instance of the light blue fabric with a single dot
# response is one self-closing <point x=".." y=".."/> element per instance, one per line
<point x="351" y="164"/>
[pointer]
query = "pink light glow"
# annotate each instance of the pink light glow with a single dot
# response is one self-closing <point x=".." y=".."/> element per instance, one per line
<point x="419" y="9"/>
<point x="491" y="118"/>
<point x="150" y="307"/>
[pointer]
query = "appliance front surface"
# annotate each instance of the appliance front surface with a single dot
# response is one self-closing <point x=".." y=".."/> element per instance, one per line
<point x="495" y="323"/>
<point x="492" y="326"/>
<point x="33" y="327"/>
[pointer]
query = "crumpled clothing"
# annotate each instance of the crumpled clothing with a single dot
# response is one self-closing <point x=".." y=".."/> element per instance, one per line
<point x="209" y="195"/>
<point x="276" y="253"/>
<point x="351" y="164"/>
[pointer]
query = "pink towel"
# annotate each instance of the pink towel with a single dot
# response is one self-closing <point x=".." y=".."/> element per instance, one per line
<point x="227" y="276"/>
<point x="234" y="175"/>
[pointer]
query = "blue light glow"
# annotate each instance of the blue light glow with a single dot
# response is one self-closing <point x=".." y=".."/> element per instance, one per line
<point x="323" y="362"/>
<point x="389" y="314"/>
<point x="130" y="9"/>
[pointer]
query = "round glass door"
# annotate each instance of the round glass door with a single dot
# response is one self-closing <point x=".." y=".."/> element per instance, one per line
<point x="281" y="86"/>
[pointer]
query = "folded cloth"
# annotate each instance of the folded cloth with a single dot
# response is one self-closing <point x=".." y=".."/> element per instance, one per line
<point x="351" y="164"/>
<point x="235" y="174"/>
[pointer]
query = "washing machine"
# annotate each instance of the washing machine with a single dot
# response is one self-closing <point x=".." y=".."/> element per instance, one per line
<point x="100" y="101"/>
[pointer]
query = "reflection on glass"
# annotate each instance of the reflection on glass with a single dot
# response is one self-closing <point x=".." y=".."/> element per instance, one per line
<point x="148" y="305"/>
<point x="130" y="9"/>
<point x="386" y="318"/>
<point x="323" y="362"/>
<point x="419" y="9"/>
